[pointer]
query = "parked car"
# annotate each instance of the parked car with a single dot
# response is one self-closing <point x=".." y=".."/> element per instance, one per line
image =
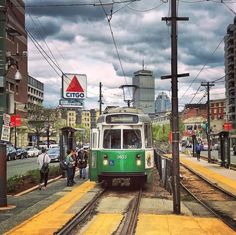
<point x="54" y="154"/>
<point x="205" y="147"/>
<point x="21" y="153"/>
<point x="11" y="153"/>
<point x="32" y="151"/>
<point x="216" y="146"/>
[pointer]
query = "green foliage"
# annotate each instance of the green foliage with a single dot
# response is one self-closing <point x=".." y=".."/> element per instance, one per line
<point x="32" y="176"/>
<point x="160" y="133"/>
<point x="40" y="118"/>
<point x="54" y="171"/>
<point x="14" y="182"/>
<point x="82" y="135"/>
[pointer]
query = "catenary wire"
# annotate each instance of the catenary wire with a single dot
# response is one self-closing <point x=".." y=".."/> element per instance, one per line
<point x="201" y="69"/>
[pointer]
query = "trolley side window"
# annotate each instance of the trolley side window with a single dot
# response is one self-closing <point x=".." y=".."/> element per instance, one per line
<point x="148" y="136"/>
<point x="112" y="139"/>
<point x="132" y="139"/>
<point x="95" y="138"/>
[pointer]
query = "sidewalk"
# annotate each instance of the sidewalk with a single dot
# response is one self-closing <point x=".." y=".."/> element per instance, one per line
<point x="27" y="205"/>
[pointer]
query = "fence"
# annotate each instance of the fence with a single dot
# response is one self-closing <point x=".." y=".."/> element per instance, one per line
<point x="164" y="167"/>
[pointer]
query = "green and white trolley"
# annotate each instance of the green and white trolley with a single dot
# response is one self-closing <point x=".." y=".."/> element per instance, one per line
<point x="121" y="148"/>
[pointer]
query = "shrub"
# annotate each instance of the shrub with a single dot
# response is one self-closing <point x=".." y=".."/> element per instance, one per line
<point x="14" y="182"/>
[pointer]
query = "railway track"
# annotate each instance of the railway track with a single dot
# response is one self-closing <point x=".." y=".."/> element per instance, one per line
<point x="82" y="216"/>
<point x="218" y="201"/>
<point x="129" y="222"/>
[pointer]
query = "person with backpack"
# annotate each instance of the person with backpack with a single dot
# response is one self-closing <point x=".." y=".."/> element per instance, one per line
<point x="82" y="162"/>
<point x="70" y="167"/>
<point x="43" y="160"/>
<point x="198" y="151"/>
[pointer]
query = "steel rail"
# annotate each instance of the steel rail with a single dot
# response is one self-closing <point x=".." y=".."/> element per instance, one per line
<point x="130" y="220"/>
<point x="81" y="215"/>
<point x="226" y="219"/>
<point x="210" y="183"/>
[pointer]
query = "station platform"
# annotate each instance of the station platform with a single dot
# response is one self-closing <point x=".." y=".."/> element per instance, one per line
<point x="45" y="211"/>
<point x="223" y="177"/>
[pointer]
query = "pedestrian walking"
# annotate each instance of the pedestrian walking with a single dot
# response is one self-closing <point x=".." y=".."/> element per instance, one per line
<point x="198" y="151"/>
<point x="43" y="160"/>
<point x="82" y="162"/>
<point x="70" y="163"/>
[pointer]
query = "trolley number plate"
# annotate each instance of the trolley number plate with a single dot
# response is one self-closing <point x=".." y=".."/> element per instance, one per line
<point x="121" y="157"/>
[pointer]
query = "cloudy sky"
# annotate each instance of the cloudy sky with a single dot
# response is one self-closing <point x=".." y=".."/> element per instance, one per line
<point x="77" y="37"/>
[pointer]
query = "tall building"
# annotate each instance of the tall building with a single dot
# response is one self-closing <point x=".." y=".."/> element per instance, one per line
<point x="35" y="93"/>
<point x="144" y="95"/>
<point x="16" y="56"/>
<point x="230" y="76"/>
<point x="162" y="103"/>
<point x="14" y="61"/>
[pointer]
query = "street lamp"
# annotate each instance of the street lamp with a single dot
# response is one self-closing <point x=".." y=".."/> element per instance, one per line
<point x="128" y="91"/>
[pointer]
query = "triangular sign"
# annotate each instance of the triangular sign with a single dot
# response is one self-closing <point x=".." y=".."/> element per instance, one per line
<point x="74" y="86"/>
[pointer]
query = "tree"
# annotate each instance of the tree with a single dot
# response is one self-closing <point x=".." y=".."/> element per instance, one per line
<point x="40" y="119"/>
<point x="82" y="134"/>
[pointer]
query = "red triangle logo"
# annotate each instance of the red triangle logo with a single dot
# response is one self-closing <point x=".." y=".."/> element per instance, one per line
<point x="74" y="86"/>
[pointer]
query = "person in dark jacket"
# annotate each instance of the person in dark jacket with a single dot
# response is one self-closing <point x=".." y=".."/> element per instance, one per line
<point x="82" y="163"/>
<point x="198" y="151"/>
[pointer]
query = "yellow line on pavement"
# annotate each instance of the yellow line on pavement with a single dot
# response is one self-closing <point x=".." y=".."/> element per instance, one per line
<point x="222" y="181"/>
<point x="103" y="224"/>
<point x="53" y="217"/>
<point x="149" y="224"/>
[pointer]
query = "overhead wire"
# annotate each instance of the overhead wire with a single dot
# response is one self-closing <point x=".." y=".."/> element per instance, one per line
<point x="201" y="69"/>
<point x="69" y="4"/>
<point x="195" y="94"/>
<point x="150" y="9"/>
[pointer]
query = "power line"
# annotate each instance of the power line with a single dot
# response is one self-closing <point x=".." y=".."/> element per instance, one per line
<point x="195" y="94"/>
<point x="113" y="39"/>
<point x="201" y="69"/>
<point x="72" y="4"/>
<point x="150" y="9"/>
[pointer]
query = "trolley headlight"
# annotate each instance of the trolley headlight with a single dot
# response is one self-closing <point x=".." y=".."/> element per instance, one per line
<point x="105" y="160"/>
<point x="138" y="160"/>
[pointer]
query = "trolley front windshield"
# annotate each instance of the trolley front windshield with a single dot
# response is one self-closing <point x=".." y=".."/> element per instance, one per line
<point x="125" y="139"/>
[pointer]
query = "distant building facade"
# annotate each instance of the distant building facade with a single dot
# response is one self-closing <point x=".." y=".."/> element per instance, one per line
<point x="218" y="115"/>
<point x="144" y="95"/>
<point x="230" y="76"/>
<point x="162" y="103"/>
<point x="35" y="93"/>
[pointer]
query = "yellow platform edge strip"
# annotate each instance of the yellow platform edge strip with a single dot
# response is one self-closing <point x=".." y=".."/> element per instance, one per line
<point x="53" y="217"/>
<point x="149" y="224"/>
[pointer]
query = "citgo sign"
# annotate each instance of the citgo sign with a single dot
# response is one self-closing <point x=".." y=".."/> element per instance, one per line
<point x="74" y="86"/>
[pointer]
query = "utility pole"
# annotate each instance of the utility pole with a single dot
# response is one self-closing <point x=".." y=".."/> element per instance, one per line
<point x="100" y="98"/>
<point x="3" y="102"/>
<point x="175" y="119"/>
<point x="208" y="130"/>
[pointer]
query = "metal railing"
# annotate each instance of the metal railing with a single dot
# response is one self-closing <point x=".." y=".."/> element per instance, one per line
<point x="164" y="167"/>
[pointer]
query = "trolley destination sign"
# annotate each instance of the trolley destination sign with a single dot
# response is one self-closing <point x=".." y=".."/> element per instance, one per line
<point x="122" y="118"/>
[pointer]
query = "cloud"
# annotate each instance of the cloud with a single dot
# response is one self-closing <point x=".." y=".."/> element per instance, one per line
<point x="80" y="39"/>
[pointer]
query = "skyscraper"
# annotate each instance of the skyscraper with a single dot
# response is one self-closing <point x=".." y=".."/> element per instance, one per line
<point x="162" y="103"/>
<point x="144" y="95"/>
<point x="230" y="76"/>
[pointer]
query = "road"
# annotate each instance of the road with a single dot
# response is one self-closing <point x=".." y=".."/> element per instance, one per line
<point x="21" y="166"/>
